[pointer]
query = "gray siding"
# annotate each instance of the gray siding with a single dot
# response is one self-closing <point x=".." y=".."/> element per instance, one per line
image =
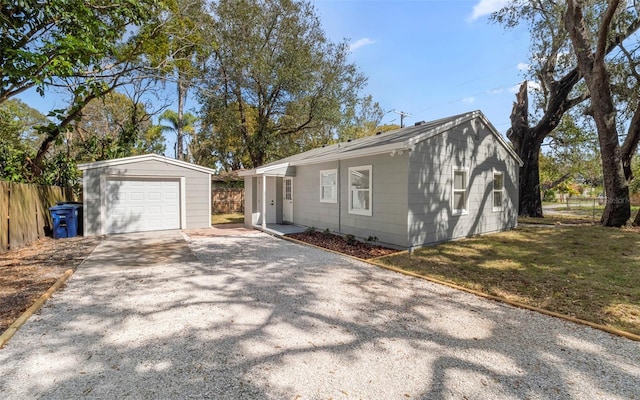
<point x="307" y="208"/>
<point x="389" y="199"/>
<point x="473" y="147"/>
<point x="91" y="198"/>
<point x="250" y="200"/>
<point x="197" y="191"/>
<point x="279" y="199"/>
<point x="389" y="203"/>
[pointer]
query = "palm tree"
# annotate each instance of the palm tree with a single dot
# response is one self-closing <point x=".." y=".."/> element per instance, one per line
<point x="180" y="129"/>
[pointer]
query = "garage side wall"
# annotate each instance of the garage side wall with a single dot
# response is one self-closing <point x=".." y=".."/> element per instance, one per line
<point x="197" y="192"/>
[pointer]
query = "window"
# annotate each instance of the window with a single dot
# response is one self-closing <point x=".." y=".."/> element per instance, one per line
<point x="360" y="190"/>
<point x="459" y="191"/>
<point x="288" y="189"/>
<point x="329" y="186"/>
<point x="498" y="189"/>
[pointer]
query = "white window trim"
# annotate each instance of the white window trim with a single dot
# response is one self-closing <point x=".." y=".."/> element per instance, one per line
<point x="465" y="210"/>
<point x="284" y="183"/>
<point x="333" y="200"/>
<point x="368" y="212"/>
<point x="493" y="192"/>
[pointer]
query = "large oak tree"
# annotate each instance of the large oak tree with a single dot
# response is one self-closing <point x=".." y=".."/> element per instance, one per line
<point x="275" y="83"/>
<point x="555" y="68"/>
<point x="591" y="52"/>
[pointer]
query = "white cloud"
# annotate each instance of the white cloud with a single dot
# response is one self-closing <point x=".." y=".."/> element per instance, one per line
<point x="469" y="100"/>
<point x="360" y="43"/>
<point x="523" y="66"/>
<point x="531" y="86"/>
<point x="495" y="91"/>
<point x="486" y="7"/>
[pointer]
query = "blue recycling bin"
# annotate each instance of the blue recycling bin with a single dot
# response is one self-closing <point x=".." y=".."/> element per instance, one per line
<point x="65" y="220"/>
<point x="80" y="227"/>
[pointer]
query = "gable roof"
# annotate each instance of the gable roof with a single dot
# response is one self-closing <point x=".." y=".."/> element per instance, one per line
<point x="396" y="140"/>
<point x="145" y="157"/>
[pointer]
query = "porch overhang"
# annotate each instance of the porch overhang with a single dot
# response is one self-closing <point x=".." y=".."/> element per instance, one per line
<point x="278" y="170"/>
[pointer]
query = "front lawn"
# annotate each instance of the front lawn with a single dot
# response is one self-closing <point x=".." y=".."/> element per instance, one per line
<point x="234" y="218"/>
<point x="585" y="271"/>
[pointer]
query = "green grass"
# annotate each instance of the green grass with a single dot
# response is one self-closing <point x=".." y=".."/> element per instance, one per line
<point x="590" y="210"/>
<point x="585" y="271"/>
<point x="235" y="218"/>
<point x="573" y="214"/>
<point x="559" y="219"/>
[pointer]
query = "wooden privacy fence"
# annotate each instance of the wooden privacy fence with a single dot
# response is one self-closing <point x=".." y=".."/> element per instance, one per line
<point x="24" y="212"/>
<point x="227" y="201"/>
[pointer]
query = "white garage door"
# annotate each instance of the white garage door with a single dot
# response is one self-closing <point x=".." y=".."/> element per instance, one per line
<point x="142" y="205"/>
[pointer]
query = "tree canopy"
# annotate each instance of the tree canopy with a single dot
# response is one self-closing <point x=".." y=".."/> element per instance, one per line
<point x="111" y="127"/>
<point x="606" y="30"/>
<point x="84" y="47"/>
<point x="275" y="83"/>
<point x="18" y="138"/>
<point x="178" y="49"/>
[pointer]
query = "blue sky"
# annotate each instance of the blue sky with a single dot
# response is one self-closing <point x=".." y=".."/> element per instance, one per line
<point x="428" y="58"/>
<point x="431" y="58"/>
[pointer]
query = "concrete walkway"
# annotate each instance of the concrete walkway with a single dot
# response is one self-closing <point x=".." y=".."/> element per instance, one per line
<point x="249" y="316"/>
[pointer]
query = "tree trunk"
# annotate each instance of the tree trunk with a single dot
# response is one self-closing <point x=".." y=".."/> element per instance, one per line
<point x="530" y="200"/>
<point x="618" y="207"/>
<point x="636" y="221"/>
<point x="182" y="94"/>
<point x="592" y="66"/>
<point x="630" y="144"/>
<point x="527" y="146"/>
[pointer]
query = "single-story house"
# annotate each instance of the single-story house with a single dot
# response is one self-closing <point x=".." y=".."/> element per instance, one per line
<point x="432" y="182"/>
<point x="145" y="193"/>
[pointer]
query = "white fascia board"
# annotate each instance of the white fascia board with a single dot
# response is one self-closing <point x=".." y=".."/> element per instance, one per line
<point x="145" y="157"/>
<point x="372" y="151"/>
<point x="108" y="163"/>
<point x="263" y="170"/>
<point x="501" y="139"/>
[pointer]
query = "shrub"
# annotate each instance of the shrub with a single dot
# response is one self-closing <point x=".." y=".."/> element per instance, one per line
<point x="549" y="195"/>
<point x="371" y="240"/>
<point x="350" y="239"/>
<point x="310" y="230"/>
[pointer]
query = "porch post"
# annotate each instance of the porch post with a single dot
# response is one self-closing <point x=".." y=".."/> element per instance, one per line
<point x="264" y="201"/>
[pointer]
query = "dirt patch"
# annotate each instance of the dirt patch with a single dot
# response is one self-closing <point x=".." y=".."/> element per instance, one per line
<point x="26" y="273"/>
<point x="343" y="245"/>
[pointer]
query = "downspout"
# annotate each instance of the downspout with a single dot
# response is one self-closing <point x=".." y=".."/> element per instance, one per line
<point x="339" y="194"/>
<point x="264" y="201"/>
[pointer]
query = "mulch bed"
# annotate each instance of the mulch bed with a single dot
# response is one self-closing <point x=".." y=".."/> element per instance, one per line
<point x="27" y="273"/>
<point x="339" y="244"/>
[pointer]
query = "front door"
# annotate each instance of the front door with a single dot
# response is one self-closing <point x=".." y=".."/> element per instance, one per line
<point x="287" y="205"/>
<point x="270" y="195"/>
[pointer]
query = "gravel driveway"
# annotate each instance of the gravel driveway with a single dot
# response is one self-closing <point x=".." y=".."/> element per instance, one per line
<point x="250" y="316"/>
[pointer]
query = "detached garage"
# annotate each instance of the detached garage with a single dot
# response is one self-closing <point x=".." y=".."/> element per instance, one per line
<point x="145" y="193"/>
